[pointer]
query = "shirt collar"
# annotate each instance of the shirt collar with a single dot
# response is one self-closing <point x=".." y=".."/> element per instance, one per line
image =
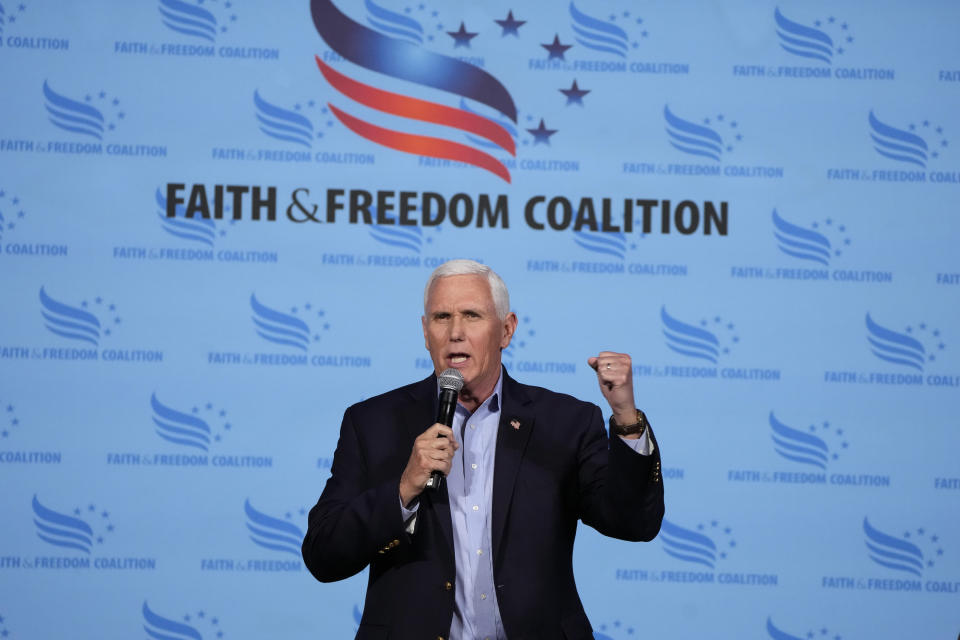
<point x="491" y="404"/>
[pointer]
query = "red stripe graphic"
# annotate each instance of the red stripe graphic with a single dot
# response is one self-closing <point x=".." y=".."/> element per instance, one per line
<point x="417" y="109"/>
<point x="422" y="145"/>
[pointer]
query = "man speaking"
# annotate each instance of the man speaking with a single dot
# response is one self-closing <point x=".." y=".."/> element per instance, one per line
<point x="488" y="553"/>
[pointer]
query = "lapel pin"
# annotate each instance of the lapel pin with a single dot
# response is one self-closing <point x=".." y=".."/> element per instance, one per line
<point x="515" y="424"/>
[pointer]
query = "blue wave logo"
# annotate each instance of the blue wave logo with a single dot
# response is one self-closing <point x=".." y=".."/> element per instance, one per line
<point x="606" y="243"/>
<point x="272" y="533"/>
<point x="897" y="144"/>
<point x="692" y="138"/>
<point x="178" y="427"/>
<point x="692" y="546"/>
<point x="409" y="237"/>
<point x="279" y="327"/>
<point x="69" y="322"/>
<point x="803" y="41"/>
<point x="598" y="35"/>
<point x="199" y="229"/>
<point x="798" y="242"/>
<point x="162" y="628"/>
<point x="71" y="115"/>
<point x="283" y="124"/>
<point x="188" y="19"/>
<point x="898" y="348"/>
<point x="891" y="552"/>
<point x="62" y="530"/>
<point x="393" y="24"/>
<point x="693" y="341"/>
<point x="799" y="446"/>
<point x="777" y="634"/>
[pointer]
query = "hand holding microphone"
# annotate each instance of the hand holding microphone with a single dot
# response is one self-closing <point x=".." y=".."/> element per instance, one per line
<point x="433" y="450"/>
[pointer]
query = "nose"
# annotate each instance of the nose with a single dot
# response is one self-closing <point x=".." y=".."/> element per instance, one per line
<point x="456" y="329"/>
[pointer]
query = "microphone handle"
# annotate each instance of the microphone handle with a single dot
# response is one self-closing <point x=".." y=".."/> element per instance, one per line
<point x="445" y="410"/>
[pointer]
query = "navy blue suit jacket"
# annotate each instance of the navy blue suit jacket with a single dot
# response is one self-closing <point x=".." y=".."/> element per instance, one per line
<point x="556" y="468"/>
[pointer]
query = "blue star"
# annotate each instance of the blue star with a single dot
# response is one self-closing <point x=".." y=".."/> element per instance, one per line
<point x="509" y="25"/>
<point x="461" y="37"/>
<point x="105" y="514"/>
<point x="542" y="134"/>
<point x="556" y="49"/>
<point x="208" y="406"/>
<point x="574" y="94"/>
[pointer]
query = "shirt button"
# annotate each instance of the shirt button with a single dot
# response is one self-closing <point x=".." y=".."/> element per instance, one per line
<point x="483" y="596"/>
<point x="479" y="552"/>
<point x="473" y="466"/>
<point x="476" y="508"/>
<point x="473" y="426"/>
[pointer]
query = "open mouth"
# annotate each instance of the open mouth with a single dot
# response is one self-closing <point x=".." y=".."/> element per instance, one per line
<point x="457" y="358"/>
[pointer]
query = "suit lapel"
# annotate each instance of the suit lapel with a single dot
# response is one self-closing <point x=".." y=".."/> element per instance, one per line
<point x="417" y="416"/>
<point x="513" y="433"/>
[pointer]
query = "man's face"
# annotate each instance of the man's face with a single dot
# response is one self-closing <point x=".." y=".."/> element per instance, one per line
<point x="462" y="330"/>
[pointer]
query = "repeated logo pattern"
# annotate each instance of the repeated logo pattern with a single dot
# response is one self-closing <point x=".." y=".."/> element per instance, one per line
<point x="273" y="533"/>
<point x="695" y="546"/>
<point x="904" y="348"/>
<point x="194" y="20"/>
<point x="77" y="323"/>
<point x="811" y="244"/>
<point x="71" y="531"/>
<point x="81" y="117"/>
<point x="812" y="41"/>
<point x="904" y="145"/>
<point x="902" y="554"/>
<point x="804" y="446"/>
<point x="696" y="342"/>
<point x="163" y="628"/>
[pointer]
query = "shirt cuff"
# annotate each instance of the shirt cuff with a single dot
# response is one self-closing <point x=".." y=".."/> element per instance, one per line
<point x="642" y="445"/>
<point x="409" y="515"/>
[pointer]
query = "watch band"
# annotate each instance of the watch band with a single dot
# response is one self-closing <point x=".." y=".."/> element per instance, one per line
<point x="630" y="429"/>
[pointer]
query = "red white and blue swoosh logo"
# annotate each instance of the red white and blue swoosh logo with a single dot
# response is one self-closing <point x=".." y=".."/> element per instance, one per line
<point x="405" y="61"/>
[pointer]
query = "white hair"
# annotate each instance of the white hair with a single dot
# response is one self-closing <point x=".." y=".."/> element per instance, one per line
<point x="498" y="288"/>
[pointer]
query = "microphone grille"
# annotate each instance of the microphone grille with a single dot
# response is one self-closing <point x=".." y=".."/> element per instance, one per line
<point x="451" y="379"/>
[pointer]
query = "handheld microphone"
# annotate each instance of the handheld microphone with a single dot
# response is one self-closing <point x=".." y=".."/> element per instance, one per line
<point x="451" y="381"/>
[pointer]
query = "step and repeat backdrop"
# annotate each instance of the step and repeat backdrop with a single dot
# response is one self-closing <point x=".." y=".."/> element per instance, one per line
<point x="218" y="217"/>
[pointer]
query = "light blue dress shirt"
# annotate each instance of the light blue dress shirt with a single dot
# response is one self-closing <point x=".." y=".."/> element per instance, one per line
<point x="476" y="615"/>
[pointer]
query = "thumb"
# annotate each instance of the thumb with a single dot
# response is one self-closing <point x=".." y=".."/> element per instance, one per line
<point x="593" y="362"/>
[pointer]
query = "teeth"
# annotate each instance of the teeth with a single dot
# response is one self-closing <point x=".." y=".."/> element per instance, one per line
<point x="458" y="359"/>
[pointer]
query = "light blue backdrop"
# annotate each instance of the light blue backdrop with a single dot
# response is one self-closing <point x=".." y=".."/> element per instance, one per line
<point x="171" y="388"/>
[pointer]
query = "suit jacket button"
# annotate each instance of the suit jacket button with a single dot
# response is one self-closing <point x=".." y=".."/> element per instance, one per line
<point x="448" y="586"/>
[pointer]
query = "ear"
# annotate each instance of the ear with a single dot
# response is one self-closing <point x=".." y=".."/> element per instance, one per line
<point x="509" y="328"/>
<point x="423" y="323"/>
